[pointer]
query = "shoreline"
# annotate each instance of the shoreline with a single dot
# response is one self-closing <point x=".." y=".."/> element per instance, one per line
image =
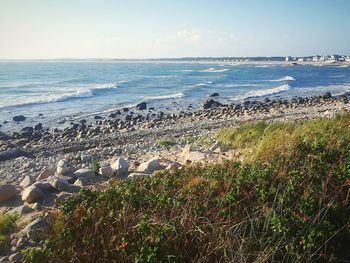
<point x="137" y="136"/>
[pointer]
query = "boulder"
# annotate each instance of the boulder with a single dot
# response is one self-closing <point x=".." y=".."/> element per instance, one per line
<point x="46" y="172"/>
<point x="141" y="106"/>
<point x="86" y="158"/>
<point x="106" y="171"/>
<point x="215" y="94"/>
<point x="4" y="136"/>
<point x="195" y="156"/>
<point x="13" y="154"/>
<point x="42" y="185"/>
<point x="150" y="166"/>
<point x="58" y="183"/>
<point x="84" y="173"/>
<point x="20" y="210"/>
<point x="64" y="167"/>
<point x="327" y="95"/>
<point x="27" y="181"/>
<point x="208" y="104"/>
<point x="7" y="191"/>
<point x="15" y="258"/>
<point x="32" y="194"/>
<point x="19" y="118"/>
<point x="37" y="230"/>
<point x="120" y="166"/>
<point x="81" y="182"/>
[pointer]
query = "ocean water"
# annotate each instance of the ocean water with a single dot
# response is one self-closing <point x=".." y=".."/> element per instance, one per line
<point x="70" y="90"/>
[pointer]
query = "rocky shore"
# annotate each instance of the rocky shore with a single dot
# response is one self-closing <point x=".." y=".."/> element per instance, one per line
<point x="40" y="166"/>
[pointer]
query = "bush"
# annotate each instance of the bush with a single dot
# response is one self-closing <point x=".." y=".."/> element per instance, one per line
<point x="292" y="206"/>
<point x="95" y="166"/>
<point x="166" y="143"/>
<point x="7" y="224"/>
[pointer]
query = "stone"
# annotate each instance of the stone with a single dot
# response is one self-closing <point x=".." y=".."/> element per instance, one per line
<point x="215" y="94"/>
<point x="150" y="166"/>
<point x="86" y="158"/>
<point x="211" y="104"/>
<point x="38" y="127"/>
<point x="19" y="118"/>
<point x="120" y="166"/>
<point x="20" y="210"/>
<point x="327" y="95"/>
<point x="64" y="167"/>
<point x="81" y="182"/>
<point x="27" y="181"/>
<point x="37" y="229"/>
<point x="4" y="259"/>
<point x="37" y="206"/>
<point x="16" y="257"/>
<point x="42" y="185"/>
<point x="186" y="150"/>
<point x="32" y="194"/>
<point x="7" y="191"/>
<point x="13" y="154"/>
<point x="46" y="172"/>
<point x="58" y="183"/>
<point x="195" y="156"/>
<point x="84" y="173"/>
<point x="106" y="171"/>
<point x="141" y="106"/>
<point x="134" y="175"/>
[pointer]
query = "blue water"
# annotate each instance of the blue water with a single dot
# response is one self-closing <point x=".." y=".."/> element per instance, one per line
<point x="68" y="90"/>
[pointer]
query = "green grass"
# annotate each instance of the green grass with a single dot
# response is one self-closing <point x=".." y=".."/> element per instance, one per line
<point x="7" y="225"/>
<point x="166" y="143"/>
<point x="292" y="205"/>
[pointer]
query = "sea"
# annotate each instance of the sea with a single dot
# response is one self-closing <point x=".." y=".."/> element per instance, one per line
<point x="55" y="92"/>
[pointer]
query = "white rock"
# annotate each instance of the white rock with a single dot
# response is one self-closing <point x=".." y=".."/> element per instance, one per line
<point x="86" y="158"/>
<point x="106" y="171"/>
<point x="84" y="173"/>
<point x="132" y="175"/>
<point x="32" y="194"/>
<point x="150" y="166"/>
<point x="195" y="156"/>
<point x="46" y="172"/>
<point x="27" y="181"/>
<point x="81" y="182"/>
<point x="120" y="166"/>
<point x="64" y="167"/>
<point x="42" y="185"/>
<point x="16" y="257"/>
<point x="58" y="183"/>
<point x="187" y="149"/>
<point x="20" y="210"/>
<point x="36" y="229"/>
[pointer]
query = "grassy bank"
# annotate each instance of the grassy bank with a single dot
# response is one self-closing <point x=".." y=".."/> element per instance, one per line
<point x="288" y="202"/>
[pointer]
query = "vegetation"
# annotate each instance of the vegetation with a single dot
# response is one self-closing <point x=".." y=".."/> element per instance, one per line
<point x="166" y="143"/>
<point x="7" y="224"/>
<point x="95" y="166"/>
<point x="288" y="202"/>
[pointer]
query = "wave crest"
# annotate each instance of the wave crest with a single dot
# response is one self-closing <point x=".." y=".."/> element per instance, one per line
<point x="166" y="97"/>
<point x="264" y="92"/>
<point x="214" y="70"/>
<point x="286" y="78"/>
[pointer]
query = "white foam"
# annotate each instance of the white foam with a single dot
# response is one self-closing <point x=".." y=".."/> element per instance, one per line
<point x="214" y="70"/>
<point x="166" y="97"/>
<point x="263" y="92"/>
<point x="286" y="78"/>
<point x="343" y="66"/>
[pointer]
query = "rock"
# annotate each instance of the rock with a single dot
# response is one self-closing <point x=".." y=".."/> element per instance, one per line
<point x="19" y="118"/>
<point x="327" y="95"/>
<point x="4" y="259"/>
<point x="84" y="173"/>
<point x="37" y="207"/>
<point x="7" y="191"/>
<point x="215" y="94"/>
<point x="141" y="106"/>
<point x="120" y="166"/>
<point x="97" y="117"/>
<point x="195" y="156"/>
<point x="37" y="229"/>
<point x="64" y="167"/>
<point x="27" y="181"/>
<point x="32" y="194"/>
<point x="133" y="175"/>
<point x="150" y="166"/>
<point x="58" y="183"/>
<point x="86" y="158"/>
<point x="16" y="257"/>
<point x="106" y="171"/>
<point x="81" y="182"/>
<point x="46" y="172"/>
<point x="211" y="104"/>
<point x="42" y="185"/>
<point x="20" y="210"/>
<point x="38" y="127"/>
<point x="186" y="150"/>
<point x="4" y="136"/>
<point x="13" y="154"/>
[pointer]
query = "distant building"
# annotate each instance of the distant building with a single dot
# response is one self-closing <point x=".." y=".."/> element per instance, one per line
<point x="301" y="60"/>
<point x="347" y="59"/>
<point x="288" y="58"/>
<point x="316" y="58"/>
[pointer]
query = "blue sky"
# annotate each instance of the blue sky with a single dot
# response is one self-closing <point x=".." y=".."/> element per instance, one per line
<point x="164" y="28"/>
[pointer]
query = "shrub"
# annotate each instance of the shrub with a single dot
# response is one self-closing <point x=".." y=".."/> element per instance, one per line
<point x="166" y="143"/>
<point x="95" y="166"/>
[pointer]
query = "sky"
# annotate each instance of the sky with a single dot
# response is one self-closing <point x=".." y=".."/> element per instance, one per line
<point x="44" y="29"/>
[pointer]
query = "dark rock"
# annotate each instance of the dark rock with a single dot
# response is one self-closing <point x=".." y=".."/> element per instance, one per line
<point x="215" y="94"/>
<point x="4" y="136"/>
<point x="125" y="109"/>
<point x="327" y="95"/>
<point x="5" y="122"/>
<point x="211" y="104"/>
<point x="19" y="118"/>
<point x="13" y="154"/>
<point x="38" y="127"/>
<point x="97" y="117"/>
<point x="40" y="114"/>
<point x="141" y="106"/>
<point x="27" y="129"/>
